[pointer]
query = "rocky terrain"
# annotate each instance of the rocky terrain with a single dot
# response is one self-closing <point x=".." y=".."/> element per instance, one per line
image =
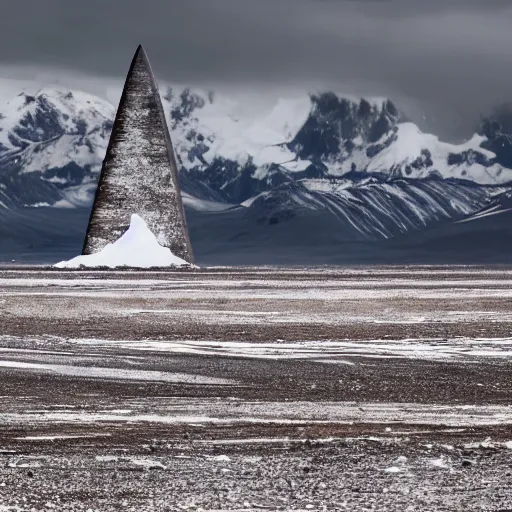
<point x="256" y="389"/>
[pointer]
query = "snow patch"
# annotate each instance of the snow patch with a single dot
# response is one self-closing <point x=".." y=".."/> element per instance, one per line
<point x="393" y="469"/>
<point x="137" y="248"/>
<point x="93" y="372"/>
<point x="440" y="463"/>
<point x="147" y="463"/>
<point x="57" y="437"/>
<point x="334" y="352"/>
<point x="38" y="205"/>
<point x="222" y="458"/>
<point x="202" y="205"/>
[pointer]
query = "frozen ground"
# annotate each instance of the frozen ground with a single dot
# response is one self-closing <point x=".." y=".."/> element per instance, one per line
<point x="357" y="389"/>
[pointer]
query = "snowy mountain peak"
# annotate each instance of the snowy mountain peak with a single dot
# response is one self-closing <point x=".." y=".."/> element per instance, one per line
<point x="51" y="113"/>
<point x="61" y="136"/>
<point x="241" y="146"/>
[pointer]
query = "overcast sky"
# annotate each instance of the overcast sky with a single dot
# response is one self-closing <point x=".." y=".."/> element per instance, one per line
<point x="448" y="60"/>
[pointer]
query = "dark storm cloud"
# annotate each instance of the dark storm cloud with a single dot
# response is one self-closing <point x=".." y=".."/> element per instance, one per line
<point x="450" y="59"/>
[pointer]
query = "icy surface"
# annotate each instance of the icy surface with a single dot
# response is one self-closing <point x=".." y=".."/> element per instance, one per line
<point x="137" y="248"/>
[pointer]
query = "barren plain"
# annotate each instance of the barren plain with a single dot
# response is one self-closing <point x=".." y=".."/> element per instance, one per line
<point x="256" y="389"/>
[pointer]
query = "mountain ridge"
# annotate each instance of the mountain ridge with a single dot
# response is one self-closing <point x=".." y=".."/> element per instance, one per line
<point x="358" y="161"/>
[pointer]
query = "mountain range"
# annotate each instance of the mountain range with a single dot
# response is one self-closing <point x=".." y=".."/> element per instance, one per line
<point x="310" y="178"/>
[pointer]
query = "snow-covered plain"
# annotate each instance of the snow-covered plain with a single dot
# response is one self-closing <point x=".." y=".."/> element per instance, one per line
<point x="333" y="352"/>
<point x="137" y="248"/>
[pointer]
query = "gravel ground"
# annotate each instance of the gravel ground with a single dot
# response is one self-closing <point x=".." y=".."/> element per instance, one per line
<point x="355" y="389"/>
<point x="335" y="476"/>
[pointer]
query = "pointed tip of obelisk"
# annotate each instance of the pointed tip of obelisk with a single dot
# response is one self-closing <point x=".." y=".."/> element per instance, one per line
<point x="140" y="52"/>
<point x="140" y="58"/>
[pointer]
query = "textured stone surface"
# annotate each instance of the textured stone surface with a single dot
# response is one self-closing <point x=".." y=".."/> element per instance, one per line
<point x="139" y="173"/>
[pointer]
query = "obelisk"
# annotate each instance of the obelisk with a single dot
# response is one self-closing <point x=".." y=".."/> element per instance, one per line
<point x="139" y="173"/>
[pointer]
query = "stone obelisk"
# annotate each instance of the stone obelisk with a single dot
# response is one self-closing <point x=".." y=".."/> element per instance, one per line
<point x="139" y="173"/>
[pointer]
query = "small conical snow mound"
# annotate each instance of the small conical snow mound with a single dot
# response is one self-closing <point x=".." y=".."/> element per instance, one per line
<point x="137" y="248"/>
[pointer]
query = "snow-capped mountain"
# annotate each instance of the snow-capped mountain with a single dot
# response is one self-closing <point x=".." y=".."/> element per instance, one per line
<point x="52" y="145"/>
<point x="360" y="160"/>
<point x="271" y="159"/>
<point x="321" y="135"/>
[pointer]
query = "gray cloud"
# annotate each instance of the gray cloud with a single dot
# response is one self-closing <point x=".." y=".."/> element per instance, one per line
<point x="447" y="60"/>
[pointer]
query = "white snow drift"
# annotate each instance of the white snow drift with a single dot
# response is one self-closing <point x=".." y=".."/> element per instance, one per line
<point x="137" y="248"/>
